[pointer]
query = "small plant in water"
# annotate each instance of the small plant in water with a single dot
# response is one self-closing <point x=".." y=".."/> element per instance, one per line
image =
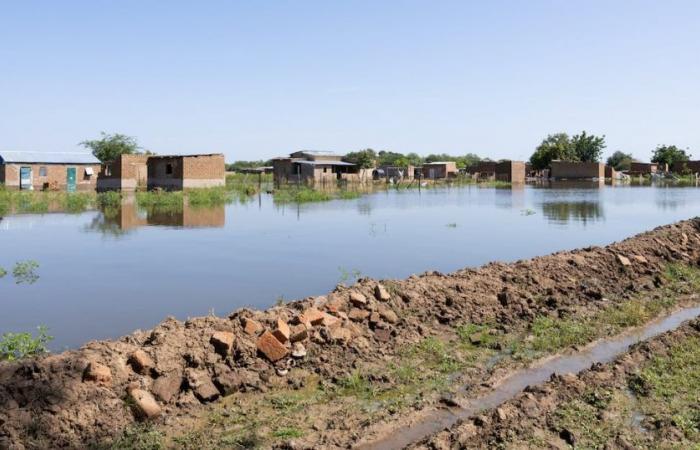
<point x="3" y="272"/>
<point x="279" y="301"/>
<point x="25" y="272"/>
<point x="528" y="212"/>
<point x="452" y="225"/>
<point x="15" y="346"/>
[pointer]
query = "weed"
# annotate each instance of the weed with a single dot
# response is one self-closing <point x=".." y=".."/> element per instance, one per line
<point x="345" y="275"/>
<point x="527" y="212"/>
<point x="279" y="301"/>
<point x="14" y="346"/>
<point x="25" y="272"/>
<point x="3" y="272"/>
<point x="355" y="385"/>
<point x="139" y="437"/>
<point x="554" y="334"/>
<point x="287" y="433"/>
<point x="451" y="225"/>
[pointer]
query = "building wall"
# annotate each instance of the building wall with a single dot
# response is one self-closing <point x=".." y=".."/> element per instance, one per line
<point x="159" y="175"/>
<point x="483" y="168"/>
<point x="643" y="168"/>
<point x="440" y="170"/>
<point x="204" y="171"/>
<point x="128" y="172"/>
<point x="510" y="171"/>
<point x="686" y="166"/>
<point x="56" y="176"/>
<point x="610" y="172"/>
<point x="566" y="169"/>
<point x="2" y="173"/>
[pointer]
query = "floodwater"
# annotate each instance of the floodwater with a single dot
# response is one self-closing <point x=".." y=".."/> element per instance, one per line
<point x="601" y="352"/>
<point x="102" y="276"/>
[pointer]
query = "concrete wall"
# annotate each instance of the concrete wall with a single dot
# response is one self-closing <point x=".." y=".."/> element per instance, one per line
<point x="566" y="169"/>
<point x="510" y="171"/>
<point x="56" y="176"/>
<point x="485" y="168"/>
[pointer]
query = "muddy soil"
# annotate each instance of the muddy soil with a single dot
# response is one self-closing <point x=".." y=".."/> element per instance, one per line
<point x="646" y="398"/>
<point x="170" y="375"/>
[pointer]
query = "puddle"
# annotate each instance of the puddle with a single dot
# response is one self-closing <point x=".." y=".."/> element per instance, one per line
<point x="601" y="352"/>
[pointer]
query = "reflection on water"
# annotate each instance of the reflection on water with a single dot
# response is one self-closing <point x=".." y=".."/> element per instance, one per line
<point x="128" y="216"/>
<point x="185" y="261"/>
<point x="562" y="212"/>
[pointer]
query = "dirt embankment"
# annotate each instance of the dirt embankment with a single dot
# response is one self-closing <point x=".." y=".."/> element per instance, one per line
<point x="162" y="376"/>
<point x="647" y="398"/>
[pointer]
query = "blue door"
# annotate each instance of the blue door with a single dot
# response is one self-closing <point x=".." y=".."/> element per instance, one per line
<point x="25" y="178"/>
<point x="70" y="179"/>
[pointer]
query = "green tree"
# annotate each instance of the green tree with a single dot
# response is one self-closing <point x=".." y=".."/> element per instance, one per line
<point x="365" y="159"/>
<point x="669" y="154"/>
<point x="587" y="148"/>
<point x="238" y="165"/>
<point x="620" y="160"/>
<point x="110" y="146"/>
<point x="554" y="146"/>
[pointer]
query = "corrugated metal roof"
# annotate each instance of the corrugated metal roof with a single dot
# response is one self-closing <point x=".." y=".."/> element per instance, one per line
<point x="48" y="157"/>
<point x="317" y="152"/>
<point x="325" y="163"/>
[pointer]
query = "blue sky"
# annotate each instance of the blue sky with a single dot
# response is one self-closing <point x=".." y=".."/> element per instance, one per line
<point x="260" y="79"/>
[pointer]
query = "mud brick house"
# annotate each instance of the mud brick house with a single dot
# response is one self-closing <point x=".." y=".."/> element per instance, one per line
<point x="641" y="168"/>
<point x="171" y="172"/>
<point x="686" y="167"/>
<point x="576" y="170"/>
<point x="69" y="171"/>
<point x="178" y="172"/>
<point x="510" y="171"/>
<point x="312" y="166"/>
<point x="127" y="172"/>
<point x="483" y="169"/>
<point x="440" y="169"/>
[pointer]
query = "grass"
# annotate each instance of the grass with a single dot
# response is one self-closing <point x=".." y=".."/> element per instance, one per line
<point x="139" y="437"/>
<point x="14" y="346"/>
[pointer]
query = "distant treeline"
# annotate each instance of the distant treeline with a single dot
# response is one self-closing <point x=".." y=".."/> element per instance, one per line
<point x="581" y="147"/>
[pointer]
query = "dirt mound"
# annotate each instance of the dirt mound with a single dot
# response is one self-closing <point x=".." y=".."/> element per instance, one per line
<point x="87" y="396"/>
<point x="608" y="406"/>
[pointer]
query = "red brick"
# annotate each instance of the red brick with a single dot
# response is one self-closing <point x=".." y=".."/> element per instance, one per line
<point x="271" y="347"/>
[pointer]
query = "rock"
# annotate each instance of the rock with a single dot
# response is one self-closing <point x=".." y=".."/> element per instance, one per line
<point x="358" y="299"/>
<point x="98" y="373"/>
<point x="311" y="316"/>
<point x="476" y="338"/>
<point x="640" y="259"/>
<point x="381" y="293"/>
<point x="624" y="260"/>
<point x="146" y="405"/>
<point x="298" y="333"/>
<point x="141" y="362"/>
<point x="232" y="381"/>
<point x="374" y="318"/>
<point x="568" y="437"/>
<point x="202" y="386"/>
<point x="282" y="332"/>
<point x="578" y="260"/>
<point x="330" y="321"/>
<point x="388" y="314"/>
<point x="251" y="327"/>
<point x="166" y="387"/>
<point x="340" y="335"/>
<point x="298" y="350"/>
<point x="501" y="414"/>
<point x="358" y="315"/>
<point x="223" y="342"/>
<point x="382" y="335"/>
<point x="271" y="347"/>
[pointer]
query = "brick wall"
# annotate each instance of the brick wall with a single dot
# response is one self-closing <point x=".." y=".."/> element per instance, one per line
<point x="55" y="176"/>
<point x="510" y="171"/>
<point x="566" y="169"/>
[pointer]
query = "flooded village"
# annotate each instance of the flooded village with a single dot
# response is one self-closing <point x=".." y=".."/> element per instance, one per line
<point x="349" y="225"/>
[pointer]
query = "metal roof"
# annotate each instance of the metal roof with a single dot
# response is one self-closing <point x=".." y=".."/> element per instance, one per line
<point x="325" y="163"/>
<point x="48" y="157"/>
<point x="317" y="152"/>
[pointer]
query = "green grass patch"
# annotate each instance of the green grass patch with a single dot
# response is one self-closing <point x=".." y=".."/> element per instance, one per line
<point x="14" y="346"/>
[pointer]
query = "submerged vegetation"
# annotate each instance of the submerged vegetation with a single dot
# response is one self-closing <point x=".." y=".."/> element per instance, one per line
<point x="24" y="272"/>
